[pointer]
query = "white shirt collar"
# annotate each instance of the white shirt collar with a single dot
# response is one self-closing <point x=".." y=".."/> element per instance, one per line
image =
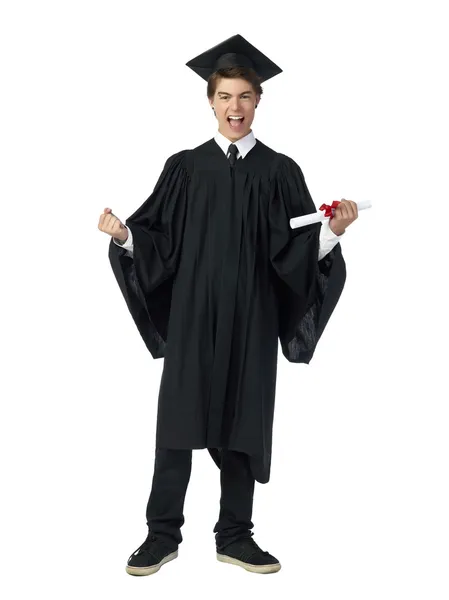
<point x="244" y="145"/>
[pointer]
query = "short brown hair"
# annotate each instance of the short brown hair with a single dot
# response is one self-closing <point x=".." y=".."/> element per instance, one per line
<point x="233" y="73"/>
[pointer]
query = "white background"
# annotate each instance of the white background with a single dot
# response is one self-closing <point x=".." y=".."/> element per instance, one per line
<point x="95" y="97"/>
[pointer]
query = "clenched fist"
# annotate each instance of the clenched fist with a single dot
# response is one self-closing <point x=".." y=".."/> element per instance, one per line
<point x="110" y="224"/>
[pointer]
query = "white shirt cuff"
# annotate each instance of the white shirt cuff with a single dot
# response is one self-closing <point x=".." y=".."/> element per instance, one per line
<point x="328" y="239"/>
<point x="128" y="244"/>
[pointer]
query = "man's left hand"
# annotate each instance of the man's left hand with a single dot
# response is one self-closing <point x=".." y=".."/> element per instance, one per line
<point x="345" y="214"/>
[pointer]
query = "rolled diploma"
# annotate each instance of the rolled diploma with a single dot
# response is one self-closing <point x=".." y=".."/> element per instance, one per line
<point x="319" y="216"/>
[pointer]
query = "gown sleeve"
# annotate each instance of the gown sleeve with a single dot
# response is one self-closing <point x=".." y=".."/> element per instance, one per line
<point x="307" y="289"/>
<point x="146" y="278"/>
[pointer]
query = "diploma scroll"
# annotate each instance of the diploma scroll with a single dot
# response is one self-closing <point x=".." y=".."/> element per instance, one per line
<point x="327" y="212"/>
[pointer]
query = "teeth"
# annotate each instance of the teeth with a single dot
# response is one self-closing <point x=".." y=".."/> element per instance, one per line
<point x="235" y="118"/>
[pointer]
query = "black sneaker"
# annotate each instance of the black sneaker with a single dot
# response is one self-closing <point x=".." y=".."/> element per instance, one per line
<point x="247" y="554"/>
<point x="150" y="556"/>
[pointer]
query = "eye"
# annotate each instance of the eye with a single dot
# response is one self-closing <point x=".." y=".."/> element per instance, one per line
<point x="227" y="97"/>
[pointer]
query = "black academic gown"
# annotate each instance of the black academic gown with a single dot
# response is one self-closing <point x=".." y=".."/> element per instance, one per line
<point x="217" y="277"/>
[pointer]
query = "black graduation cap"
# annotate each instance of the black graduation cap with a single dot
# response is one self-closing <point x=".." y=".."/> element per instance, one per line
<point x="233" y="52"/>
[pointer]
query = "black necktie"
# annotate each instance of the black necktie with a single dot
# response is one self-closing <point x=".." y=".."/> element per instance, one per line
<point x="233" y="154"/>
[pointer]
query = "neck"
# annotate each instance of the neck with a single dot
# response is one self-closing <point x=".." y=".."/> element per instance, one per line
<point x="234" y="139"/>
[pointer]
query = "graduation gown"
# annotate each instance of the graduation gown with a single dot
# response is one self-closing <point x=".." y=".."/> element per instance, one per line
<point x="216" y="279"/>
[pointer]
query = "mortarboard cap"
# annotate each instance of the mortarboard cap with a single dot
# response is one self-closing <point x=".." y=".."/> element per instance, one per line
<point x="233" y="52"/>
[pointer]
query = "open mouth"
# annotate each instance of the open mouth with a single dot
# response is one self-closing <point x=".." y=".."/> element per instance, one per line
<point x="236" y="123"/>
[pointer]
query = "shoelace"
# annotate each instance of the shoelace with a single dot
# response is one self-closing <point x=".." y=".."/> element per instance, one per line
<point x="253" y="546"/>
<point x="146" y="544"/>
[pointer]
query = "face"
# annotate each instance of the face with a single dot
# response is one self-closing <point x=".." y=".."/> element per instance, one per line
<point x="234" y="97"/>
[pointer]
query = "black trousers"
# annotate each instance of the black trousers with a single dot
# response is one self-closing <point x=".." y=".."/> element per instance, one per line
<point x="171" y="476"/>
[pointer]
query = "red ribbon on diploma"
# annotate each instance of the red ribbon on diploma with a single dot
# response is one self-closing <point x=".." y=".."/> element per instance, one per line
<point x="328" y="208"/>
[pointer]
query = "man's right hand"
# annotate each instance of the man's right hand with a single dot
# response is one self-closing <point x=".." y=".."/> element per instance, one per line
<point x="110" y="224"/>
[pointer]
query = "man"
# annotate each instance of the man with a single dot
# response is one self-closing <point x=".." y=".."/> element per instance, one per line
<point x="213" y="276"/>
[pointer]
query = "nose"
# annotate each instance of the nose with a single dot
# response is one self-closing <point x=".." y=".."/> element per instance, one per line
<point x="235" y="105"/>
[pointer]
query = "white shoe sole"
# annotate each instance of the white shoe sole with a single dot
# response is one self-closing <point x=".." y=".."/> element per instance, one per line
<point x="153" y="568"/>
<point x="253" y="568"/>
